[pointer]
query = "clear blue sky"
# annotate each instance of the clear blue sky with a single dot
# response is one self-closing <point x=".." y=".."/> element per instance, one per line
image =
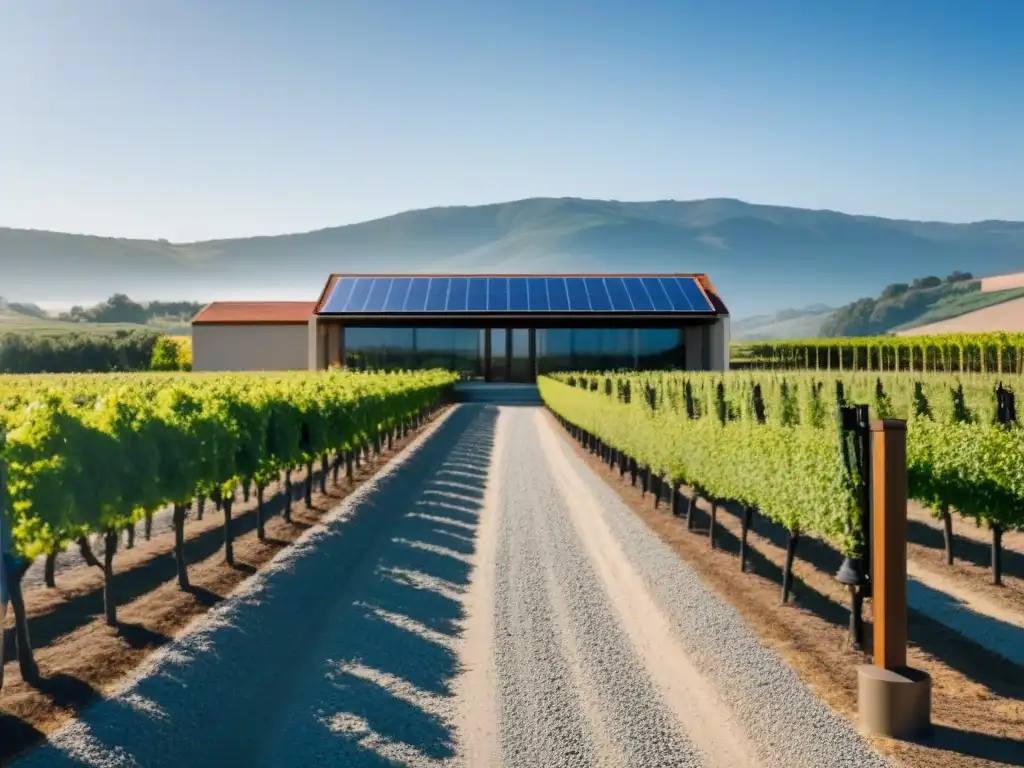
<point x="194" y="119"/>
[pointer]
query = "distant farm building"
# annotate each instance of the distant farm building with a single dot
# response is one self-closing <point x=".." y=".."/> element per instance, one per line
<point x="487" y="327"/>
<point x="251" y="336"/>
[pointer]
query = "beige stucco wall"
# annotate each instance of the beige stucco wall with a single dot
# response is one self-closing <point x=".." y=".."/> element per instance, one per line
<point x="250" y="347"/>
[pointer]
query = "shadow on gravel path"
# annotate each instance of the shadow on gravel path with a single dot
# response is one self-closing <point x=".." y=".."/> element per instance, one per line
<point x="17" y="731"/>
<point x="381" y="685"/>
<point x="339" y="652"/>
<point x="65" y="691"/>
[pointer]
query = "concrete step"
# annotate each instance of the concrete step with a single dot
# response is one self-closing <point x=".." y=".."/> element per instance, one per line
<point x="497" y="393"/>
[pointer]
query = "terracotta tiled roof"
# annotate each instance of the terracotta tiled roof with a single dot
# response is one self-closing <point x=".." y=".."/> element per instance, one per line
<point x="255" y="313"/>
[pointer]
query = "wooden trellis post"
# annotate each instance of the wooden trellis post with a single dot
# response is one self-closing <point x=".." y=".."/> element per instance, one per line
<point x="893" y="699"/>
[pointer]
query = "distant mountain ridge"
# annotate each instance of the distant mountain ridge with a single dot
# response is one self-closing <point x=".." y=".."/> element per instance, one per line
<point x="762" y="258"/>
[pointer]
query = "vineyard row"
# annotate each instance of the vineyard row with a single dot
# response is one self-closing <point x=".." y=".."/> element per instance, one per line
<point x="82" y="455"/>
<point x="771" y="443"/>
<point x="954" y="353"/>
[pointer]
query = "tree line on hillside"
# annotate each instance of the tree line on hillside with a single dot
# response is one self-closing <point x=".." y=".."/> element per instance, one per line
<point x="21" y="308"/>
<point x="137" y="350"/>
<point x="899" y="303"/>
<point x="121" y="309"/>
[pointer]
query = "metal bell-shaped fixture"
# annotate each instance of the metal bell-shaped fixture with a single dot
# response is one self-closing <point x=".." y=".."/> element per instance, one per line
<point x="850" y="573"/>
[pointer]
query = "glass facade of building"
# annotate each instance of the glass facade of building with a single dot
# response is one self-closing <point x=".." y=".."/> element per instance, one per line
<point x="512" y="356"/>
<point x="388" y="349"/>
<point x="601" y="349"/>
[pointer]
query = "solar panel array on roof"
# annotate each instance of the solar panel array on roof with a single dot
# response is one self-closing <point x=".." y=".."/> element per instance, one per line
<point x="429" y="295"/>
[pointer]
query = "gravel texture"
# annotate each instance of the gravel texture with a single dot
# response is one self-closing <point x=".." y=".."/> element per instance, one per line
<point x="484" y="600"/>
<point x="786" y="723"/>
<point x="571" y="690"/>
<point x="378" y="684"/>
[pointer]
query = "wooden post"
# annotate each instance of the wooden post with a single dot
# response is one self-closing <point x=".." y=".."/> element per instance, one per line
<point x="889" y="545"/>
<point x="893" y="700"/>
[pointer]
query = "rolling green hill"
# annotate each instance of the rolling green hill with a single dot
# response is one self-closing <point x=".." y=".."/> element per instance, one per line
<point x="788" y="324"/>
<point x="762" y="258"/>
<point x="904" y="305"/>
<point x="103" y="318"/>
<point x="899" y="307"/>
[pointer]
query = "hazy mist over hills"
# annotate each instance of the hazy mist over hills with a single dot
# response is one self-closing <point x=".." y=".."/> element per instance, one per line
<point x="762" y="258"/>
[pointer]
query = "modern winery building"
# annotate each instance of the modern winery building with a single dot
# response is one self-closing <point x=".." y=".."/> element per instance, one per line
<point x="507" y="328"/>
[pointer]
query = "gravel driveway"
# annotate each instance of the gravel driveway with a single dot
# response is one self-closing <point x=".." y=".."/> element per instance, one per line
<point x="484" y="601"/>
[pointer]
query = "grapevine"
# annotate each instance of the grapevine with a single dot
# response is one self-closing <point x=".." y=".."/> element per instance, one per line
<point x="995" y="352"/>
<point x="770" y="441"/>
<point x="94" y="454"/>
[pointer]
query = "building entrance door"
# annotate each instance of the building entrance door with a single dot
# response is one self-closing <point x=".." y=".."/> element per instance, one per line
<point x="511" y="355"/>
<point x="520" y="361"/>
<point x="498" y="354"/>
